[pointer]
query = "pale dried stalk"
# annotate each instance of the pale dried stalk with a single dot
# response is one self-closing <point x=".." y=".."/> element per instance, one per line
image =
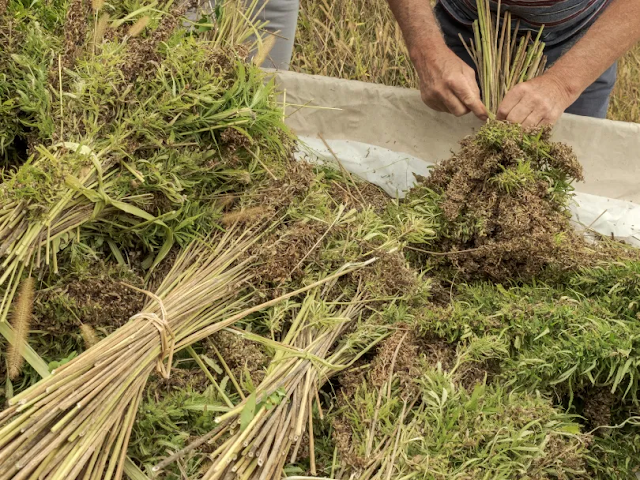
<point x="303" y="362"/>
<point x="89" y="404"/>
<point x="501" y="61"/>
<point x="26" y="241"/>
<point x="76" y="423"/>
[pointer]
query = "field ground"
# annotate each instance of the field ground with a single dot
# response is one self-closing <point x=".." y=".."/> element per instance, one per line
<point x="360" y="40"/>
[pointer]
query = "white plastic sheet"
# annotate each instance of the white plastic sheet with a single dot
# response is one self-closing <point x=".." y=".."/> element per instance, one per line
<point x="397" y="120"/>
<point x="395" y="172"/>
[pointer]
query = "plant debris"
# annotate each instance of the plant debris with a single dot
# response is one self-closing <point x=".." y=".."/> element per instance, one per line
<point x="503" y="204"/>
<point x="242" y="356"/>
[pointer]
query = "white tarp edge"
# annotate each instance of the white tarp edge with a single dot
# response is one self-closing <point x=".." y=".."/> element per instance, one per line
<point x="396" y="119"/>
<point x="395" y="173"/>
<point x="385" y="135"/>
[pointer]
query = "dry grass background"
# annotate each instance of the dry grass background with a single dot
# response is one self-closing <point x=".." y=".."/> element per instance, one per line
<point x="360" y="40"/>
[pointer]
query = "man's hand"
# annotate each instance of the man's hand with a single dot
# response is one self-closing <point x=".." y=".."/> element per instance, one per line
<point x="539" y="101"/>
<point x="447" y="84"/>
<point x="543" y="99"/>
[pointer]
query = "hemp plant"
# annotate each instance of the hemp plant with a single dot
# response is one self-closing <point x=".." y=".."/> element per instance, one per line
<point x="501" y="60"/>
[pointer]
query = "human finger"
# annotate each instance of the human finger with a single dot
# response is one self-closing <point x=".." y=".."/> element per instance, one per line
<point x="453" y="104"/>
<point x="510" y="101"/>
<point x="469" y="94"/>
<point x="434" y="104"/>
<point x="533" y="119"/>
<point x="522" y="109"/>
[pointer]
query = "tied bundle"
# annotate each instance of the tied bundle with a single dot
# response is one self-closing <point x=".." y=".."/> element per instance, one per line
<point x="268" y="428"/>
<point x="37" y="219"/>
<point x="76" y="423"/>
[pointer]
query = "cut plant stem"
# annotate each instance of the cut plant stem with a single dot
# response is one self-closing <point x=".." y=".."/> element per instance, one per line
<point x="280" y="411"/>
<point x="502" y="62"/>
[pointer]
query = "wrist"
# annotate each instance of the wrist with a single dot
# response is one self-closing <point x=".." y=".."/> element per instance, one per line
<point x="427" y="52"/>
<point x="569" y="85"/>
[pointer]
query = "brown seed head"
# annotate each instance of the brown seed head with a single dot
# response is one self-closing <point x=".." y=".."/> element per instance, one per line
<point x="20" y="321"/>
<point x="244" y="216"/>
<point x="101" y="27"/>
<point x="96" y="5"/>
<point x="137" y="28"/>
<point x="88" y="335"/>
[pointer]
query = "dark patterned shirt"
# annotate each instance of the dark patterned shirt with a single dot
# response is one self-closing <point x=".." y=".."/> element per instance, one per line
<point x="562" y="19"/>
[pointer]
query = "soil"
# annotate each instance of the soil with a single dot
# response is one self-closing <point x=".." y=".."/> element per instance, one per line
<point x="234" y="140"/>
<point x="351" y="379"/>
<point x="557" y="453"/>
<point x="500" y="219"/>
<point x="438" y="351"/>
<point x="475" y="373"/>
<point x="241" y="355"/>
<point x="598" y="402"/>
<point x="439" y="293"/>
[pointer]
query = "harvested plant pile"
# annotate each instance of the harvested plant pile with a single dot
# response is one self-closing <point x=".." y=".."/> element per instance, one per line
<point x="281" y="407"/>
<point x="79" y="419"/>
<point x="503" y="204"/>
<point x="132" y="141"/>
<point x="444" y="429"/>
<point x="191" y="303"/>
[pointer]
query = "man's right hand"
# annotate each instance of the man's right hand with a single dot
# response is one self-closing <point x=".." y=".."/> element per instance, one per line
<point x="447" y="84"/>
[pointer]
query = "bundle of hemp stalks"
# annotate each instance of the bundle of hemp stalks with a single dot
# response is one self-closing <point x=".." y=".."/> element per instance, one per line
<point x="76" y="423"/>
<point x="132" y="139"/>
<point x="501" y="61"/>
<point x="263" y="429"/>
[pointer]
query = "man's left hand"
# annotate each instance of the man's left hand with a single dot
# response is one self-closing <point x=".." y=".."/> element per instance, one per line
<point x="539" y="101"/>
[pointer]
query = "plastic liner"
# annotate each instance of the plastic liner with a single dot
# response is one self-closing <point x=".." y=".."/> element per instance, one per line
<point x="395" y="172"/>
<point x="396" y="119"/>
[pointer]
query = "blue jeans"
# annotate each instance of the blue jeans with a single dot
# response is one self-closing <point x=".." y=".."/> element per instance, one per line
<point x="593" y="102"/>
<point x="282" y="17"/>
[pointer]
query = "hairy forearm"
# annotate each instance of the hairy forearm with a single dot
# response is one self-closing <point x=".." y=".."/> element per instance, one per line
<point x="419" y="28"/>
<point x="447" y="84"/>
<point x="611" y="35"/>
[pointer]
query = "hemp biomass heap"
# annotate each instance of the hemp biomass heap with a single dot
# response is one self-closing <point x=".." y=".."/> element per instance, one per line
<point x="181" y="299"/>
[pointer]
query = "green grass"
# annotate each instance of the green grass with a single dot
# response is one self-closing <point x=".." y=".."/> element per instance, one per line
<point x="559" y="339"/>
<point x="454" y="432"/>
